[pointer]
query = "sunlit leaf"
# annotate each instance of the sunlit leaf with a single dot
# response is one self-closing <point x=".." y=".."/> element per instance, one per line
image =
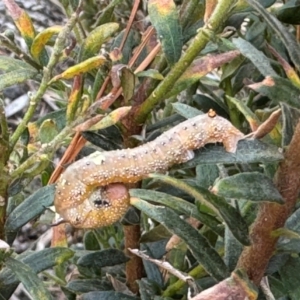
<point x="252" y="186"/>
<point x="80" y="68"/>
<point x="40" y="41"/>
<point x="164" y="17"/>
<point x="96" y="38"/>
<point x="22" y="21"/>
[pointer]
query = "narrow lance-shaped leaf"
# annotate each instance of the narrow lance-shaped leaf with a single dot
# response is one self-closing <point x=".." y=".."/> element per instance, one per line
<point x="258" y="58"/>
<point x="9" y="64"/>
<point x="289" y="12"/>
<point x="16" y="76"/>
<point x="30" y="280"/>
<point x="248" y="151"/>
<point x="40" y="41"/>
<point x="186" y="110"/>
<point x="107" y="295"/>
<point x="289" y="70"/>
<point x="103" y="258"/>
<point x="30" y="208"/>
<point x="165" y="19"/>
<point x="246" y="111"/>
<point x="80" y="68"/>
<point x="200" y="68"/>
<point x="252" y="186"/>
<point x="179" y="205"/>
<point x="198" y="244"/>
<point x="278" y="90"/>
<point x="22" y="21"/>
<point x="287" y="38"/>
<point x="96" y="38"/>
<point x="229" y="214"/>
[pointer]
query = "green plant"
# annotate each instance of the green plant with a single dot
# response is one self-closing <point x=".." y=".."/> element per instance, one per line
<point x="227" y="222"/>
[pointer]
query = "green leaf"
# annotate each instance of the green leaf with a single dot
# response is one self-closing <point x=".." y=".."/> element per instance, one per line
<point x="48" y="131"/>
<point x="107" y="12"/>
<point x="248" y="151"/>
<point x="206" y="175"/>
<point x="104" y="258"/>
<point x="287" y="233"/>
<point x="127" y="78"/>
<point x="151" y="73"/>
<point x="252" y="186"/>
<point x="96" y="38"/>
<point x="81" y="68"/>
<point x="229" y="214"/>
<point x="257" y="57"/>
<point x="165" y="19"/>
<point x="186" y="110"/>
<point x="133" y="39"/>
<point x="279" y="90"/>
<point x="205" y="254"/>
<point x="8" y="64"/>
<point x="87" y="285"/>
<point x="290" y="277"/>
<point x="38" y="50"/>
<point x="179" y="205"/>
<point x="37" y="261"/>
<point x="287" y="38"/>
<point x="289" y="12"/>
<point x="16" y="76"/>
<point x="109" y="295"/>
<point x="233" y="249"/>
<point x="30" y="280"/>
<point x="230" y="69"/>
<point x="155" y="234"/>
<point x="30" y="208"/>
<point x="290" y="118"/>
<point x="58" y="117"/>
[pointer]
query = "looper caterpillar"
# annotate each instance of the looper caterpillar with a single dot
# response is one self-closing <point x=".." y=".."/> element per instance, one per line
<point x="91" y="192"/>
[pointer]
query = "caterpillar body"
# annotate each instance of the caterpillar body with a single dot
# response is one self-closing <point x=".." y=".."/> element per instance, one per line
<point x="91" y="192"/>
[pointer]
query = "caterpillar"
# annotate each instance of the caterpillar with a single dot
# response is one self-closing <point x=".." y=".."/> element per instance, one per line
<point x="91" y="192"/>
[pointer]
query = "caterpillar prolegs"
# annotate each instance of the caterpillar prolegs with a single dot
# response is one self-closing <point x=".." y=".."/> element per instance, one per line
<point x="91" y="192"/>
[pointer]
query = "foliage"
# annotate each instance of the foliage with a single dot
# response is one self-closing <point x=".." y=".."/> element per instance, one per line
<point x="225" y="224"/>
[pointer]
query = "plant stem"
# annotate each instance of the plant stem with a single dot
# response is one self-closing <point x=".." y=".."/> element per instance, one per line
<point x="214" y="23"/>
<point x="4" y="178"/>
<point x="271" y="216"/>
<point x="47" y="72"/>
<point x="47" y="150"/>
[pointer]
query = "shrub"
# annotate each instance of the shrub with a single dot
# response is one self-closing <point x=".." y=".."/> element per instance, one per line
<point x="221" y="223"/>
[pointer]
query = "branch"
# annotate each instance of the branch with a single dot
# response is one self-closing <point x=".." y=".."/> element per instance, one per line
<point x="271" y="216"/>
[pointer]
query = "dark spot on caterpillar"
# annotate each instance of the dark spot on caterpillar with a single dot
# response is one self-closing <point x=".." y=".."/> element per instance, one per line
<point x="101" y="203"/>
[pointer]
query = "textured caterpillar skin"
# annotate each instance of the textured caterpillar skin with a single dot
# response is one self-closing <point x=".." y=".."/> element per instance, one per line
<point x="85" y="179"/>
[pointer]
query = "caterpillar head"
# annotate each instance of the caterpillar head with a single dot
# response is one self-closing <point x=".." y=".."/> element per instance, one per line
<point x="102" y="206"/>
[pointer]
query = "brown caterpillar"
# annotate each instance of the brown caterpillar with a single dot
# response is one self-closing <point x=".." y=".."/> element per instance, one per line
<point x="90" y="193"/>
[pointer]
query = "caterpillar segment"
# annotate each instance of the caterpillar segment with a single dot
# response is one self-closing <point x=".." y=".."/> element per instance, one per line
<point x="91" y="192"/>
